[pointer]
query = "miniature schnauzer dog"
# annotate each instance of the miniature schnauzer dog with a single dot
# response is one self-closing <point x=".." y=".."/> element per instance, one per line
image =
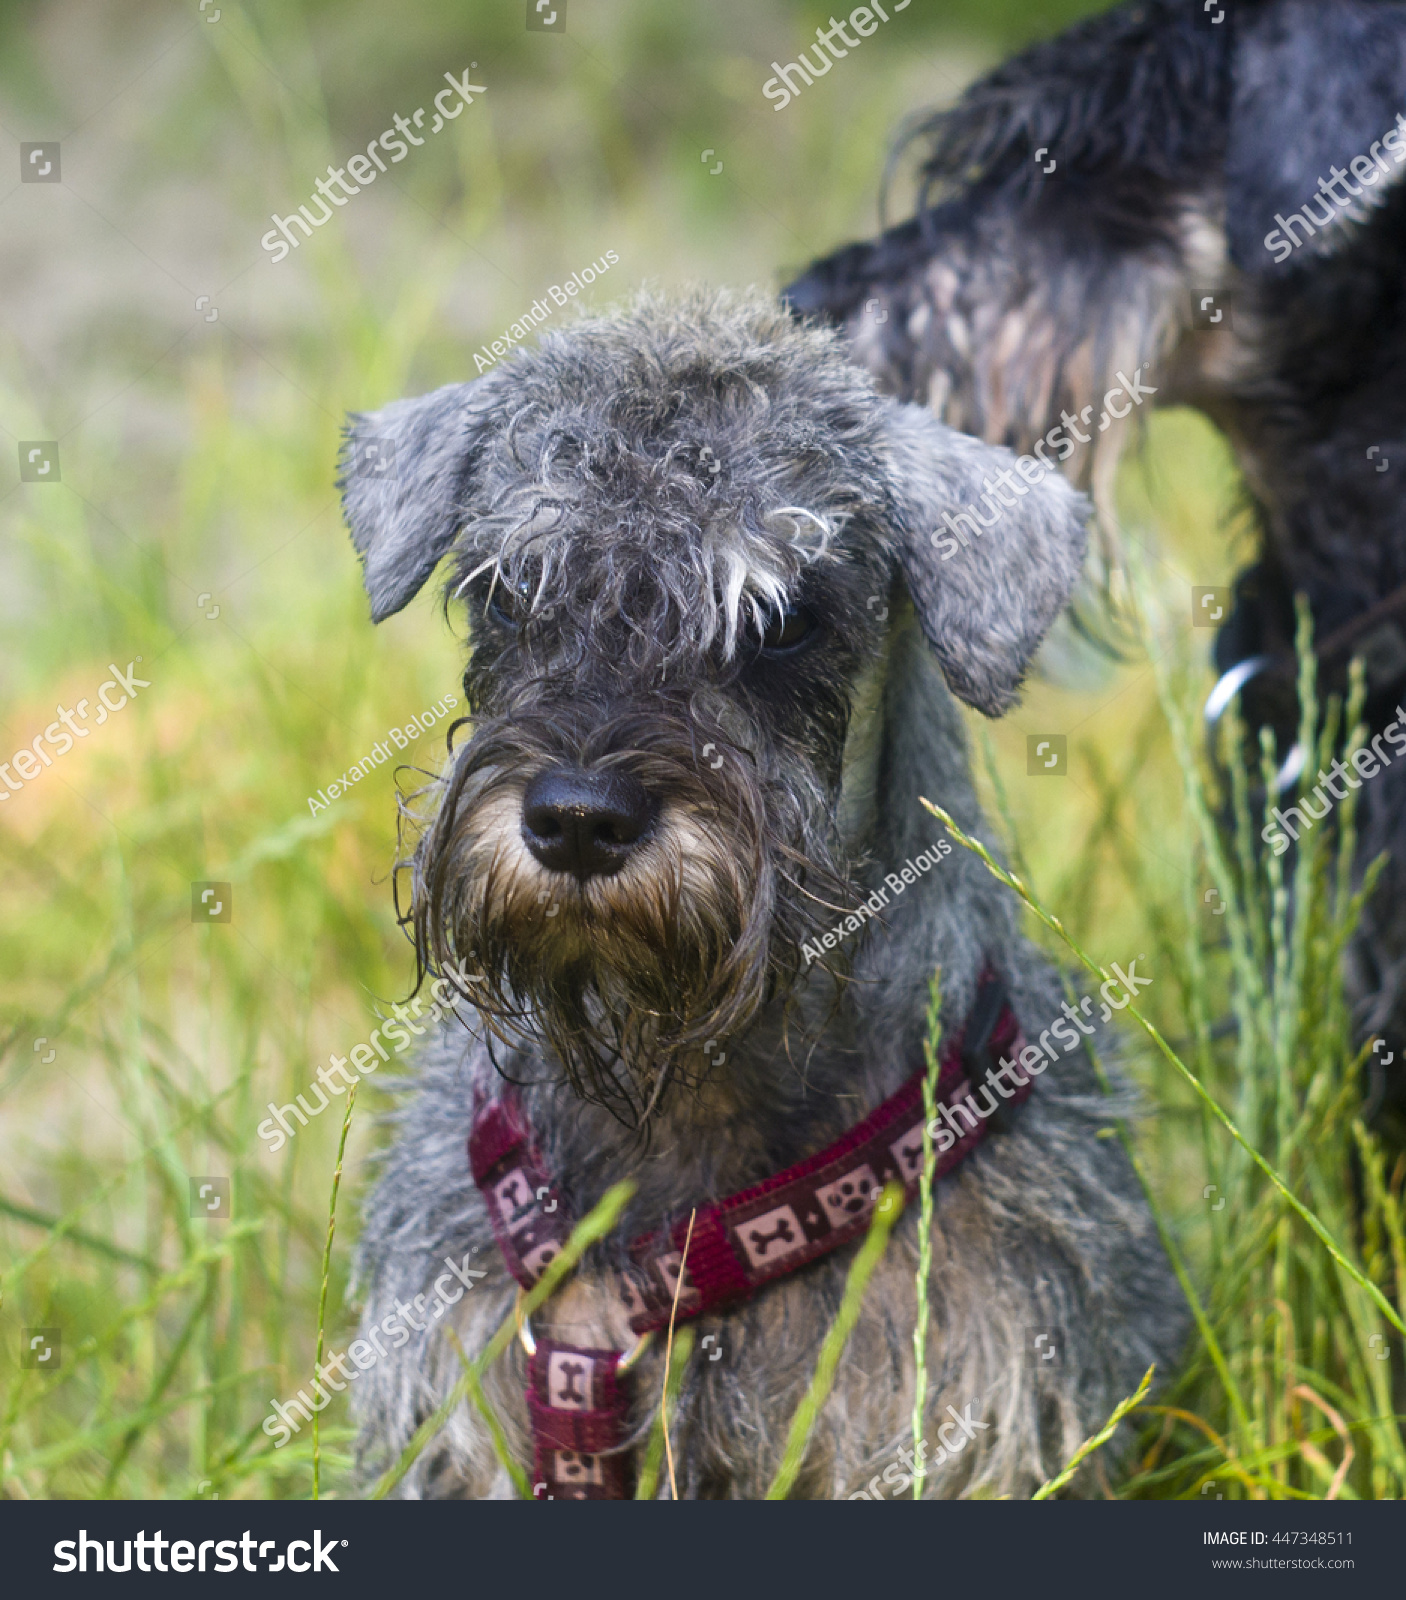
<point x="714" y="645"/>
<point x="1206" y="199"/>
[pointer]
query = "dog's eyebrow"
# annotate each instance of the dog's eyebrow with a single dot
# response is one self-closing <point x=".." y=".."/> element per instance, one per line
<point x="482" y="567"/>
<point x="468" y="578"/>
<point x="800" y="511"/>
<point x="495" y="563"/>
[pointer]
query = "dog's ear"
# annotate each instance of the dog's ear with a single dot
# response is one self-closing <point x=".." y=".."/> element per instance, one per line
<point x="990" y="554"/>
<point x="405" y="473"/>
<point x="1314" y="85"/>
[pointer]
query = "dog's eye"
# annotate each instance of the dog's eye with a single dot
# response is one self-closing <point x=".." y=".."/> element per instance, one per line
<point x="502" y="608"/>
<point x="510" y="604"/>
<point x="786" y="630"/>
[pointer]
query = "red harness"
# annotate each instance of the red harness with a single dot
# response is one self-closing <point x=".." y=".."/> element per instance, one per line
<point x="578" y="1399"/>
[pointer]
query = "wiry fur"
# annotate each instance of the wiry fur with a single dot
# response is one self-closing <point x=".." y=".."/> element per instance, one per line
<point x="1015" y="295"/>
<point x="582" y="488"/>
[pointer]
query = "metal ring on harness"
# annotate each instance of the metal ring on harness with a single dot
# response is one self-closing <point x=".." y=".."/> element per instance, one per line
<point x="1227" y="686"/>
<point x="529" y="1343"/>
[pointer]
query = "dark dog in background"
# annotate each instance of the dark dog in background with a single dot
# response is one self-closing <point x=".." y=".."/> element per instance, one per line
<point x="709" y="629"/>
<point x="1205" y="200"/>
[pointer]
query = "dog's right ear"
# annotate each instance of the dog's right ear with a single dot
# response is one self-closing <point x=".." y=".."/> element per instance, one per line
<point x="991" y="547"/>
<point x="405" y="473"/>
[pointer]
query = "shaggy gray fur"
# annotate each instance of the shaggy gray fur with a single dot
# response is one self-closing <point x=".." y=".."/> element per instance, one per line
<point x="647" y="490"/>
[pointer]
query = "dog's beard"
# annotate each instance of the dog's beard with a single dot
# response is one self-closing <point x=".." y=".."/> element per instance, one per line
<point x="640" y="978"/>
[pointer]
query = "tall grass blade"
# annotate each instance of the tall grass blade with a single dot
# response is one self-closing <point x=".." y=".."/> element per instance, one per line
<point x="870" y="1253"/>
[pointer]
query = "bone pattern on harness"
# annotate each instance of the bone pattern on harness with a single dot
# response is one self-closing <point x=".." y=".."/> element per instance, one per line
<point x="738" y="1245"/>
<point x="578" y="1409"/>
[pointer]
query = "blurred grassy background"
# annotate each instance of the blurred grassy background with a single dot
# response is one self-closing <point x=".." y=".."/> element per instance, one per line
<point x="196" y="473"/>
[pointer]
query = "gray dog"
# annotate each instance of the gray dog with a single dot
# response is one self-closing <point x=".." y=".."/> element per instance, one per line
<point x="714" y="583"/>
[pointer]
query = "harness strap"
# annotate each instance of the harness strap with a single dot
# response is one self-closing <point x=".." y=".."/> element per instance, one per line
<point x="578" y="1405"/>
<point x="739" y="1243"/>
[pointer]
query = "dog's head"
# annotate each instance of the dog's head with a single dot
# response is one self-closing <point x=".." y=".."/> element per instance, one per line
<point x="678" y="532"/>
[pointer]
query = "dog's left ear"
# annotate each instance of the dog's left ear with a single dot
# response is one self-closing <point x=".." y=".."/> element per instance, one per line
<point x="991" y="553"/>
<point x="1316" y="86"/>
<point x="405" y="473"/>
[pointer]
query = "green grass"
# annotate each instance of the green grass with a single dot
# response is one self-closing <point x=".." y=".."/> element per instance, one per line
<point x="1296" y="1281"/>
<point x="197" y="459"/>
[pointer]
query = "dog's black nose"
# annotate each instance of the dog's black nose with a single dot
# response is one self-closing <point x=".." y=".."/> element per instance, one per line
<point x="585" y="823"/>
